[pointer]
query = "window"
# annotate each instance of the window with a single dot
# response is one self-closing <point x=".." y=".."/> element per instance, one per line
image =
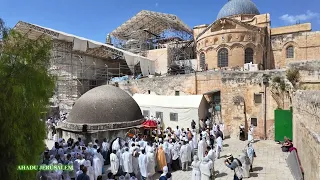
<point x="223" y="57"/>
<point x="159" y="114"/>
<point x="146" y="113"/>
<point x="248" y="57"/>
<point x="202" y="60"/>
<point x="254" y="121"/>
<point x="173" y="116"/>
<point x="290" y="52"/>
<point x="177" y="93"/>
<point x="149" y="92"/>
<point x="257" y="98"/>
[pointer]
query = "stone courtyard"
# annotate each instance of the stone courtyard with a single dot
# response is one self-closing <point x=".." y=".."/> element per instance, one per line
<point x="269" y="164"/>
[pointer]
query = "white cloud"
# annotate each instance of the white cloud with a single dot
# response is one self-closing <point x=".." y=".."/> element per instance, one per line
<point x="301" y="17"/>
<point x="157" y="4"/>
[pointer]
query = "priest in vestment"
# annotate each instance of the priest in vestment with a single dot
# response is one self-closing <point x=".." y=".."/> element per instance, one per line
<point x="161" y="158"/>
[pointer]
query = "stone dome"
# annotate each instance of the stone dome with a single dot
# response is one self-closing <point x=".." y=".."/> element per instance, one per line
<point x="236" y="7"/>
<point x="105" y="105"/>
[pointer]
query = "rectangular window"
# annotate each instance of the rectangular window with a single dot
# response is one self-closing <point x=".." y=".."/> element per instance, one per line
<point x="173" y="116"/>
<point x="177" y="93"/>
<point x="254" y="121"/>
<point x="146" y="113"/>
<point x="159" y="114"/>
<point x="257" y="98"/>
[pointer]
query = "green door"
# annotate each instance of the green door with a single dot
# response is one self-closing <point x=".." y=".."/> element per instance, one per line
<point x="282" y="124"/>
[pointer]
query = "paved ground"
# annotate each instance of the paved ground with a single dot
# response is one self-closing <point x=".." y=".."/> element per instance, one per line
<point x="268" y="165"/>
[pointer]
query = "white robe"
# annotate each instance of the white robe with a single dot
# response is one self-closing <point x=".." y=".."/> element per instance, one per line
<point x="114" y="163"/>
<point x="194" y="140"/>
<point x="190" y="154"/>
<point x="143" y="165"/>
<point x="206" y="170"/>
<point x="184" y="153"/>
<point x="250" y="134"/>
<point x="218" y="147"/>
<point x="97" y="166"/>
<point x="151" y="163"/>
<point x="196" y="174"/>
<point x="201" y="149"/>
<point x="127" y="162"/>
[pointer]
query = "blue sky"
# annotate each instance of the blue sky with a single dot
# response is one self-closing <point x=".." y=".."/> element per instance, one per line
<point x="95" y="18"/>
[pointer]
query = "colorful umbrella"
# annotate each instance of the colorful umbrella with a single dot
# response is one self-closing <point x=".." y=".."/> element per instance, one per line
<point x="149" y="124"/>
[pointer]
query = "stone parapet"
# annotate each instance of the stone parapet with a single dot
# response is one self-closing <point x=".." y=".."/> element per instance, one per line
<point x="306" y="131"/>
<point x="100" y="127"/>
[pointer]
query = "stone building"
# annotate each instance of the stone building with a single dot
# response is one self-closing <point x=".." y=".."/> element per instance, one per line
<point x="241" y="34"/>
<point x="105" y="111"/>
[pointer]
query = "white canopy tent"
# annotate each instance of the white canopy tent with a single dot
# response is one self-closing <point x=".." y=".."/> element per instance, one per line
<point x="173" y="110"/>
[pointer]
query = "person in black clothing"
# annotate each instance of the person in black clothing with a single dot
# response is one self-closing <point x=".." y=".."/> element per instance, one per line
<point x="193" y="124"/>
<point x="84" y="175"/>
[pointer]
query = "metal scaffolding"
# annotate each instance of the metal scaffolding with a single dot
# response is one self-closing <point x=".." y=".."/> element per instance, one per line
<point x="149" y="30"/>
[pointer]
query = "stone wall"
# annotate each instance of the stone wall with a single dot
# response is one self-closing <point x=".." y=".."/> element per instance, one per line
<point x="306" y="131"/>
<point x="306" y="47"/>
<point x="230" y="83"/>
<point x="309" y="74"/>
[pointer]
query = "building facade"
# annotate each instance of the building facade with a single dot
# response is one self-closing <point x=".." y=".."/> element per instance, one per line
<point x="242" y="35"/>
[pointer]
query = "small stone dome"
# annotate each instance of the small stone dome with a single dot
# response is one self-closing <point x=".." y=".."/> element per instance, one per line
<point x="236" y="7"/>
<point x="104" y="105"/>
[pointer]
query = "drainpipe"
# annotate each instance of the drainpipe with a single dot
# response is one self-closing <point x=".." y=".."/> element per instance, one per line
<point x="265" y="82"/>
<point x="196" y="82"/>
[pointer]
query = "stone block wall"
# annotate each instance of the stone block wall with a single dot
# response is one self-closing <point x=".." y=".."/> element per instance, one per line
<point x="306" y="131"/>
<point x="309" y="74"/>
<point x="230" y="84"/>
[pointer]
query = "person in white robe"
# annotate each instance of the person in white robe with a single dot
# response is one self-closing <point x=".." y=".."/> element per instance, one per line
<point x="211" y="154"/>
<point x="90" y="170"/>
<point x="250" y="133"/>
<point x="221" y="126"/>
<point x="245" y="161"/>
<point x="114" y="162"/>
<point x="127" y="161"/>
<point x="218" y="147"/>
<point x="135" y="161"/>
<point x="177" y="132"/>
<point x="97" y="164"/>
<point x="143" y="164"/>
<point x="151" y="163"/>
<point x="201" y="149"/>
<point x="80" y="159"/>
<point x="55" y="138"/>
<point x="184" y="156"/>
<point x="116" y="144"/>
<point x="194" y="139"/>
<point x="250" y="152"/>
<point x="196" y="174"/>
<point x="190" y="154"/>
<point x="206" y="169"/>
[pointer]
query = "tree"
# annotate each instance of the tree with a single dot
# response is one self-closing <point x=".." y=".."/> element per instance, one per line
<point x="25" y="89"/>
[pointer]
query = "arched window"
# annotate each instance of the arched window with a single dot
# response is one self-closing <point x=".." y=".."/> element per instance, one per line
<point x="248" y="55"/>
<point x="223" y="57"/>
<point x="290" y="52"/>
<point x="202" y="60"/>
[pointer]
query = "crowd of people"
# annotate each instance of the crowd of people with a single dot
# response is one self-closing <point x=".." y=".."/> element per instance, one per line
<point x="139" y="158"/>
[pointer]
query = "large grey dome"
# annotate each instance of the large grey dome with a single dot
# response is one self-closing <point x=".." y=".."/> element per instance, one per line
<point x="104" y="104"/>
<point x="236" y="7"/>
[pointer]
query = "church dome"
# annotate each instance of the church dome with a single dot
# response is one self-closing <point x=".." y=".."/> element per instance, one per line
<point x="105" y="105"/>
<point x="236" y="7"/>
